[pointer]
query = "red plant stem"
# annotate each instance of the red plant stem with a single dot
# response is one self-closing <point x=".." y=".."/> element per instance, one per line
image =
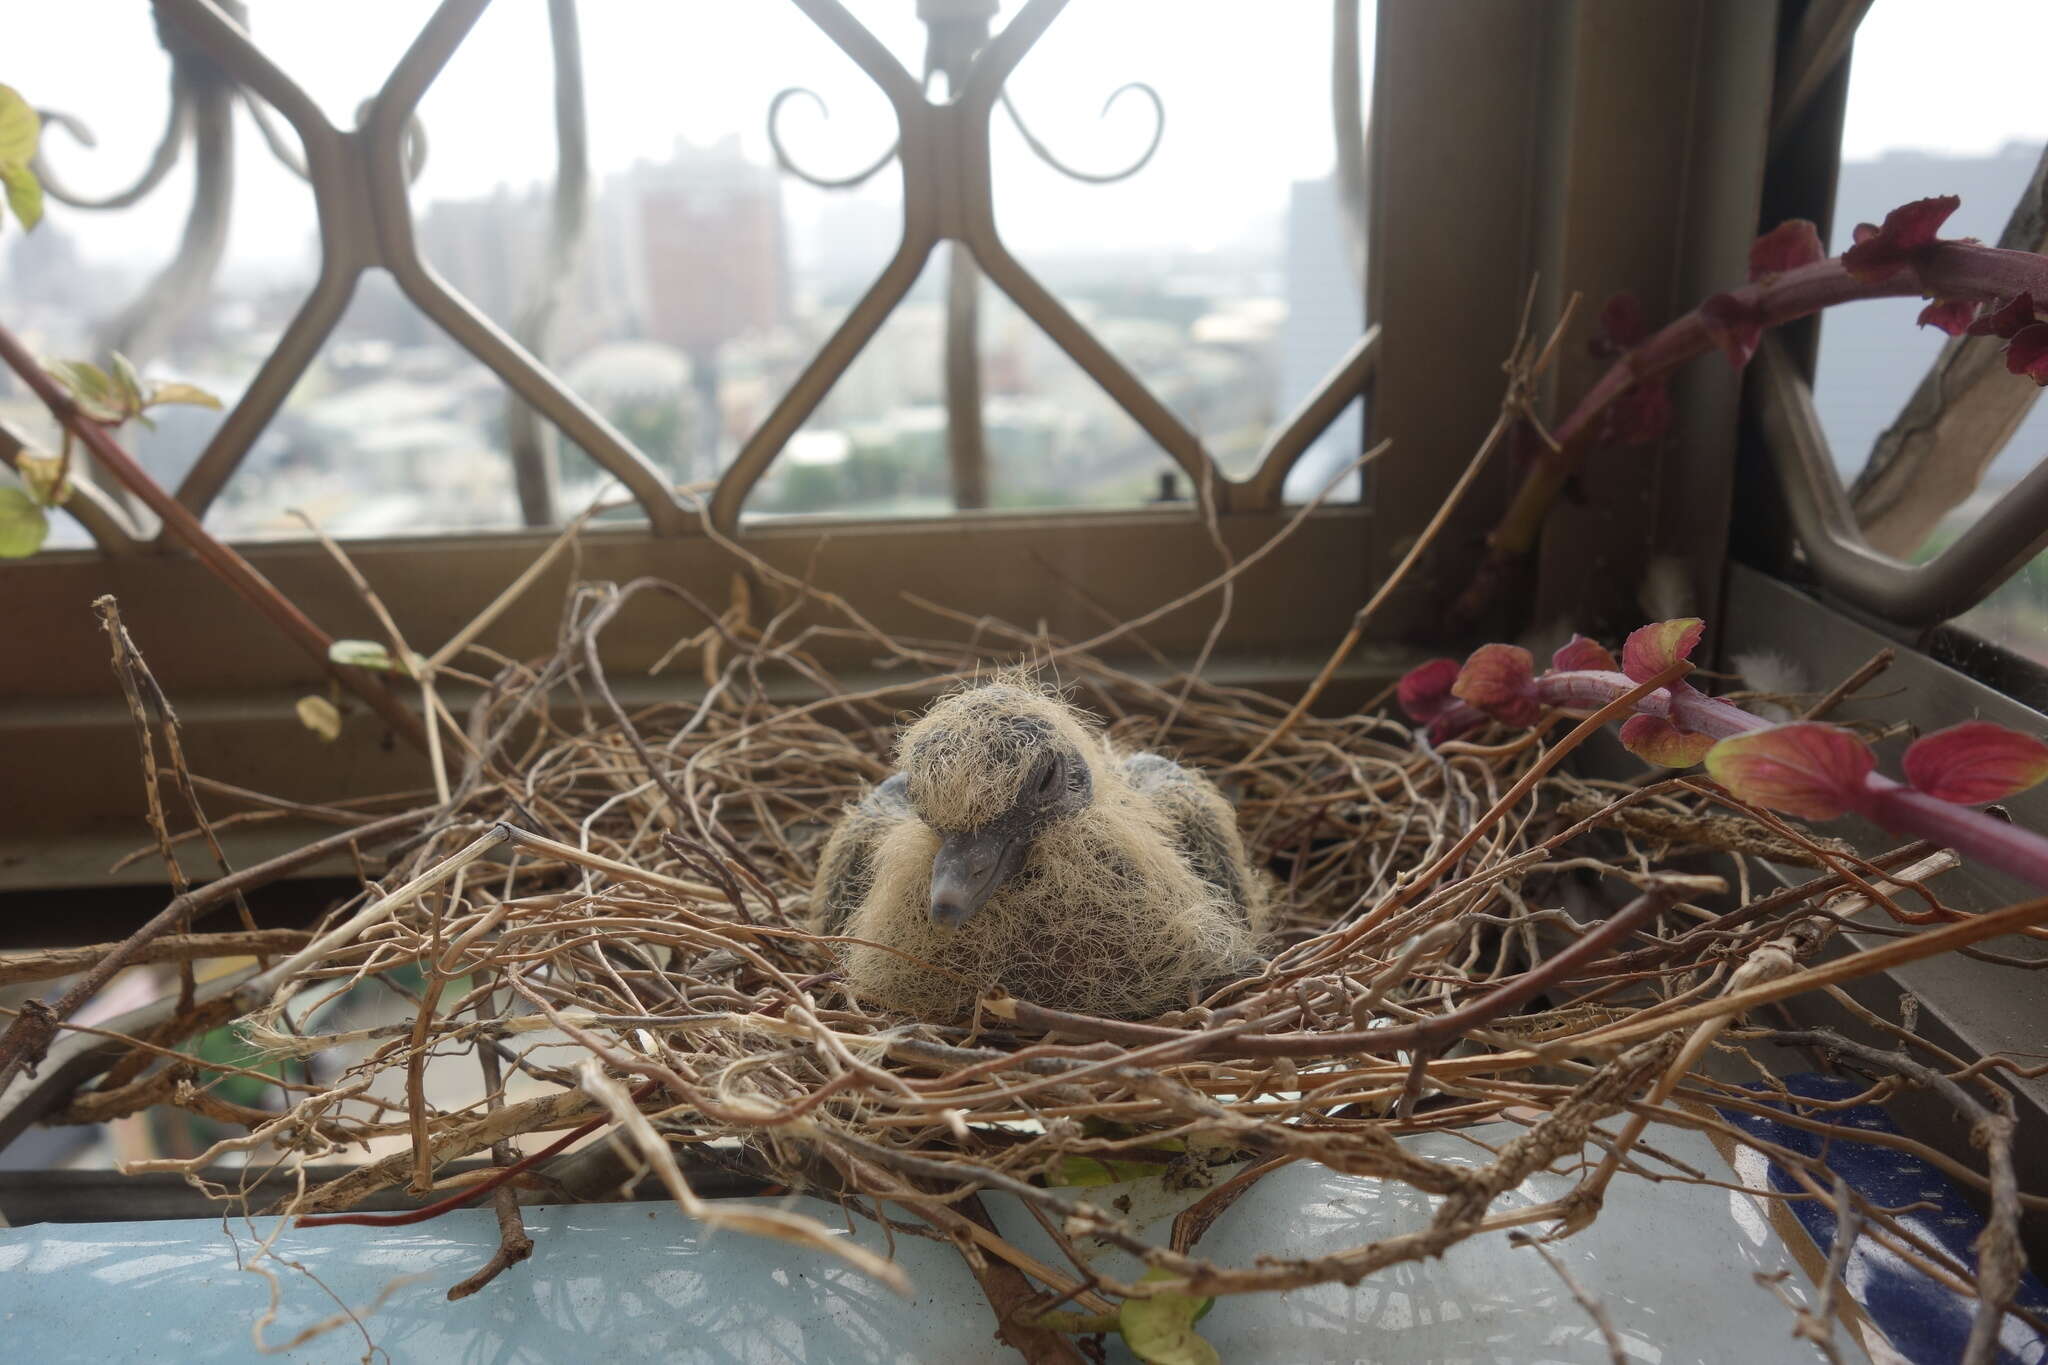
<point x="474" y="1192"/>
<point x="1946" y="270"/>
<point x="2012" y="850"/>
<point x="237" y="572"/>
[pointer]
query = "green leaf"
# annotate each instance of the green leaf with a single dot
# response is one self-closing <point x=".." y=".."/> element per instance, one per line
<point x="190" y="394"/>
<point x="363" y="654"/>
<point x="24" y="194"/>
<point x="320" y="716"/>
<point x="1088" y="1170"/>
<point x="19" y="128"/>
<point x="1161" y="1330"/>
<point x="44" y="476"/>
<point x="23" y="525"/>
<point x="90" y="387"/>
<point x="127" y="383"/>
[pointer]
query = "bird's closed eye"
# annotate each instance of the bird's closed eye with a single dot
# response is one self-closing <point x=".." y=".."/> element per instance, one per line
<point x="1048" y="779"/>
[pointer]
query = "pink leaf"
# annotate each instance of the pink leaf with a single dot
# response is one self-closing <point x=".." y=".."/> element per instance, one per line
<point x="1734" y="325"/>
<point x="1501" y="681"/>
<point x="1976" y="762"/>
<point x="1425" y="690"/>
<point x="1883" y="253"/>
<point x="1806" y="769"/>
<point x="2027" y="353"/>
<point x="1656" y="740"/>
<point x="1787" y="246"/>
<point x="2016" y="313"/>
<point x="1621" y="327"/>
<point x="1579" y="653"/>
<point x="1950" y="315"/>
<point x="1652" y="649"/>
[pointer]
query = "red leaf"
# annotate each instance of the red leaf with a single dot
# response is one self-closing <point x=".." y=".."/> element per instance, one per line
<point x="1621" y="326"/>
<point x="1652" y="649"/>
<point x="1735" y="326"/>
<point x="1656" y="740"/>
<point x="1501" y="681"/>
<point x="1806" y="769"/>
<point x="1914" y="225"/>
<point x="1863" y="232"/>
<point x="1950" y="315"/>
<point x="1425" y="690"/>
<point x="1787" y="246"/>
<point x="2016" y="314"/>
<point x="1881" y="254"/>
<point x="1976" y="762"/>
<point x="1579" y="653"/>
<point x="2027" y="353"/>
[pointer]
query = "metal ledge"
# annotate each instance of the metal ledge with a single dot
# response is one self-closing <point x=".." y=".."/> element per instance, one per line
<point x="1970" y="1007"/>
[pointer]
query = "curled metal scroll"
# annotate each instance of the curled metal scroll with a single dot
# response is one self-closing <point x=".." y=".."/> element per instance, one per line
<point x="171" y="145"/>
<point x="177" y="123"/>
<point x="1045" y="153"/>
<point x="1038" y="146"/>
<point x="789" y="164"/>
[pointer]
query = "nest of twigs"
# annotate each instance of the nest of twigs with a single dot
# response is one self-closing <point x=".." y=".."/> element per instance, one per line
<point x="608" y="911"/>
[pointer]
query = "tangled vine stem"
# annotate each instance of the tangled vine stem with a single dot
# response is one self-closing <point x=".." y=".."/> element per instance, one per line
<point x="223" y="560"/>
<point x="1954" y="272"/>
<point x="633" y="881"/>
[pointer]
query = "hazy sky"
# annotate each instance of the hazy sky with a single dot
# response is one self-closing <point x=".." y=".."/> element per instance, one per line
<point x="1247" y="105"/>
<point x="1246" y="87"/>
<point x="1927" y="74"/>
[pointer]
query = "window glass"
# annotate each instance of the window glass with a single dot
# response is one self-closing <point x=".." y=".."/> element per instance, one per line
<point x="704" y="277"/>
<point x="1982" y="140"/>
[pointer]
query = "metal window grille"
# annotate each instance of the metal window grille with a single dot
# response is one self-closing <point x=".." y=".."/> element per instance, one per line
<point x="1938" y="466"/>
<point x="237" y="683"/>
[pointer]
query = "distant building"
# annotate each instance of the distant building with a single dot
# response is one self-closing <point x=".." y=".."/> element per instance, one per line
<point x="712" y="254"/>
<point x="707" y="258"/>
<point x="494" y="252"/>
<point x="489" y="250"/>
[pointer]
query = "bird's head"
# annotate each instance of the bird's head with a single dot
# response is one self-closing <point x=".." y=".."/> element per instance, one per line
<point x="990" y="768"/>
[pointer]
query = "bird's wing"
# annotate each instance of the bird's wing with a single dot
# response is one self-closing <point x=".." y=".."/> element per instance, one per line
<point x="1204" y="825"/>
<point x="846" y="871"/>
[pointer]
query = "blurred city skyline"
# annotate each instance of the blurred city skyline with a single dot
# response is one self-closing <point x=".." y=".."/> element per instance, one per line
<point x="663" y="74"/>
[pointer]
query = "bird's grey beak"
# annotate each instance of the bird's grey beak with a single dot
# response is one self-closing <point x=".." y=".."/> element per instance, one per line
<point x="969" y="868"/>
